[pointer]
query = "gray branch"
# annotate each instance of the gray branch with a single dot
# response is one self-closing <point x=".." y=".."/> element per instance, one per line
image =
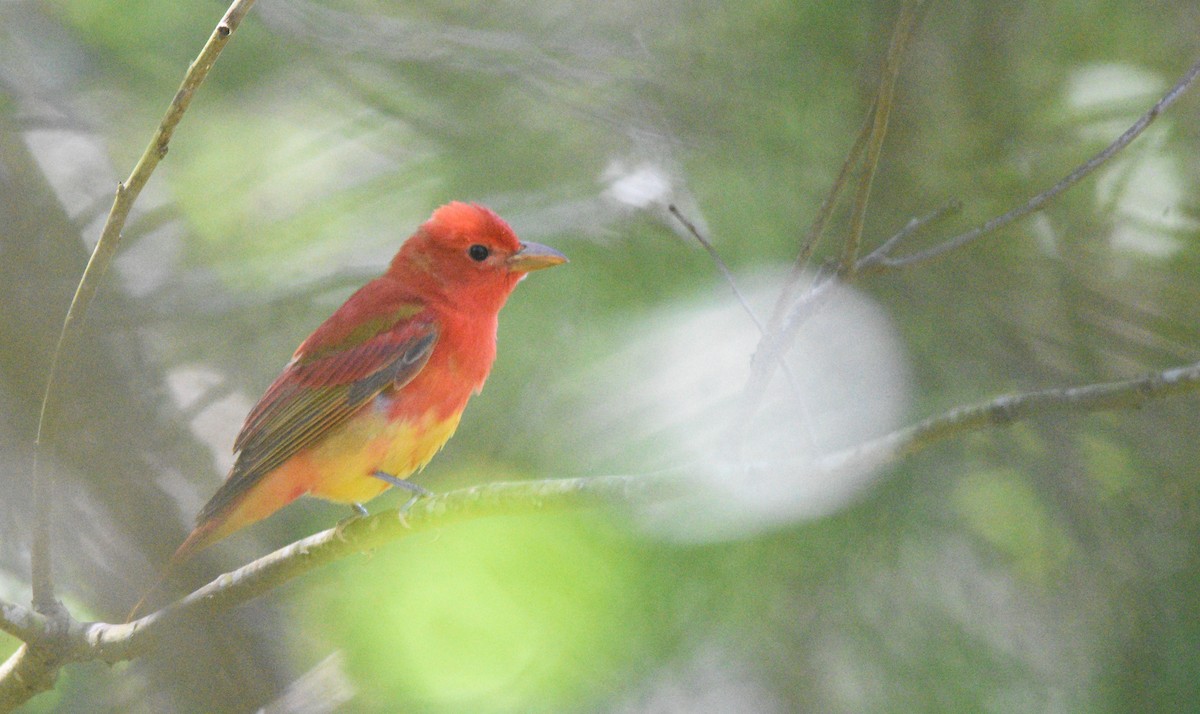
<point x="50" y="644"/>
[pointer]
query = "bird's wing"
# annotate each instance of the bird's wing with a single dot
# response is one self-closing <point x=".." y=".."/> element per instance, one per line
<point x="335" y="372"/>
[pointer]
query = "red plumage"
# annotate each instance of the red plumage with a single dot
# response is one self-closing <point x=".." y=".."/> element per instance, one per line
<point x="380" y="385"/>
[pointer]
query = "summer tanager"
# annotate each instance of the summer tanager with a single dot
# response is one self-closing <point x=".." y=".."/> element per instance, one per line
<point x="378" y="388"/>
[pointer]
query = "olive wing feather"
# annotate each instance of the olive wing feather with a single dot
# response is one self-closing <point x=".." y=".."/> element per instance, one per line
<point x="318" y="392"/>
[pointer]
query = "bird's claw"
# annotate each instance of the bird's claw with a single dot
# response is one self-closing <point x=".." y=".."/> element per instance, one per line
<point x="402" y="513"/>
<point x="360" y="512"/>
<point x="417" y="494"/>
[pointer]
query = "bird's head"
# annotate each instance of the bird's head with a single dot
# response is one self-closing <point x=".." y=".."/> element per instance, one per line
<point x="470" y="255"/>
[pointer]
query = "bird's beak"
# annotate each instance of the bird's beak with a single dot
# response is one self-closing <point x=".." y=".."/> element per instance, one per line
<point x="534" y="256"/>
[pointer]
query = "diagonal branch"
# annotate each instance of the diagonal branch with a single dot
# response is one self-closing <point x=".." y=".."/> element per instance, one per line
<point x="871" y="261"/>
<point x="817" y="229"/>
<point x="786" y="317"/>
<point x="116" y="642"/>
<point x="1038" y="202"/>
<point x="785" y="325"/>
<point x="721" y="266"/>
<point x="906" y="27"/>
<point x="102" y="255"/>
<point x="50" y="645"/>
<point x="1009" y="408"/>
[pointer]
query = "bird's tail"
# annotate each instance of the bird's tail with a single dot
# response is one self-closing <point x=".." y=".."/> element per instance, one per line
<point x="222" y="516"/>
<point x="154" y="587"/>
<point x="200" y="538"/>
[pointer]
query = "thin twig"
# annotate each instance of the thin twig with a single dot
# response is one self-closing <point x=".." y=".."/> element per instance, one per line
<point x="817" y="229"/>
<point x="116" y="642"/>
<point x="771" y="347"/>
<point x="793" y="382"/>
<point x="51" y="644"/>
<point x="712" y="252"/>
<point x="787" y="316"/>
<point x="1040" y="200"/>
<point x="41" y="577"/>
<point x="1004" y="410"/>
<point x="906" y="26"/>
<point x="879" y="260"/>
<point x="872" y="261"/>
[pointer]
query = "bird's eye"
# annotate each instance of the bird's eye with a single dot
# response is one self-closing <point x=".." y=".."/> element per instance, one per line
<point x="478" y="253"/>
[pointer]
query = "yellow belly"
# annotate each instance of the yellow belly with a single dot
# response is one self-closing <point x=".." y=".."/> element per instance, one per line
<point x="339" y="468"/>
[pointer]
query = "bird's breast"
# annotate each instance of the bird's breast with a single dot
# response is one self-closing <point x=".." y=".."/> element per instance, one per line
<point x="457" y="369"/>
<point x="340" y="468"/>
<point x="403" y="427"/>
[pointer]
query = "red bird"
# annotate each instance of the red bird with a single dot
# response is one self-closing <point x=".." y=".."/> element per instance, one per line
<point x="379" y="387"/>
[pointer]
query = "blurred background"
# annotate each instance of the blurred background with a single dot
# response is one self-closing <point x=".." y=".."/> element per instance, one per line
<point x="1052" y="566"/>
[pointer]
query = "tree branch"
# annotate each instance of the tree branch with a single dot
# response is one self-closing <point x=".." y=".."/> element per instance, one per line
<point x="721" y="266"/>
<point x="914" y="226"/>
<point x="51" y="644"/>
<point x="41" y="577"/>
<point x="81" y="641"/>
<point x="33" y="667"/>
<point x="21" y="622"/>
<point x="24" y="675"/>
<point x="114" y="642"/>
<point x="817" y="229"/>
<point x="785" y="320"/>
<point x="906" y="26"/>
<point x="1004" y="410"/>
<point x="785" y="326"/>
<point x="53" y="638"/>
<point x="884" y="262"/>
<point x="428" y="513"/>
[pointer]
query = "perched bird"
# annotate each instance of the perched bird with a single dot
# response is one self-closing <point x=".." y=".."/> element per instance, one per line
<point x="378" y="388"/>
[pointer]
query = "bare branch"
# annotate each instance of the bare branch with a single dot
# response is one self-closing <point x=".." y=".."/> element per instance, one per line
<point x="817" y="229"/>
<point x="21" y="622"/>
<point x="42" y="578"/>
<point x="34" y="667"/>
<point x="786" y="318"/>
<point x="785" y="324"/>
<point x="27" y="673"/>
<point x="773" y="346"/>
<point x="116" y="642"/>
<point x="1007" y="409"/>
<point x="906" y="26"/>
<point x="873" y="260"/>
<point x="53" y="638"/>
<point x="1040" y="200"/>
<point x="51" y="644"/>
<point x="712" y="252"/>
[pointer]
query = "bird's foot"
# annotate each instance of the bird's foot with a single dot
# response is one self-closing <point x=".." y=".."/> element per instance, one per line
<point x="417" y="493"/>
<point x="360" y="512"/>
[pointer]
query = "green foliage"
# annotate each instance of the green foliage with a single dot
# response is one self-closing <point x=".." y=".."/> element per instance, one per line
<point x="1050" y="566"/>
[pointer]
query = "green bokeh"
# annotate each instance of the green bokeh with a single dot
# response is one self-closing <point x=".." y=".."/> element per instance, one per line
<point x="498" y="615"/>
<point x="1050" y="565"/>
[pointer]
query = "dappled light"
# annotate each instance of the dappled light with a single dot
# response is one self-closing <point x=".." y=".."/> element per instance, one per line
<point x="672" y="395"/>
<point x="1148" y="194"/>
<point x="937" y="456"/>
